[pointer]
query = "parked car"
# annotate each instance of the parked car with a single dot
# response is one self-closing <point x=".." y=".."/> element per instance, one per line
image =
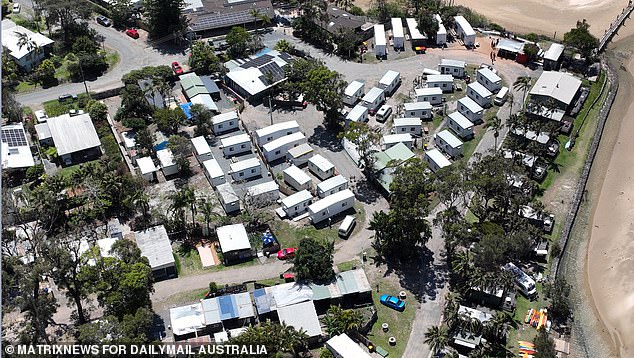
<point x="566" y="128"/>
<point x="66" y="97"/>
<point x="392" y="302"/>
<point x="104" y="21"/>
<point x="383" y="113"/>
<point x="132" y="33"/>
<point x="287" y="253"/>
<point x="549" y="222"/>
<point x="176" y="67"/>
<point x="16" y="8"/>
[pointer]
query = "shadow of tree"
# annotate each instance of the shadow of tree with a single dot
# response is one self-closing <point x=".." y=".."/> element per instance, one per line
<point x="366" y="191"/>
<point x="325" y="138"/>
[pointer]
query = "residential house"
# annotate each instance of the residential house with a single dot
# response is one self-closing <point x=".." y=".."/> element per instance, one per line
<point x="418" y="110"/>
<point x="297" y="178"/>
<point x="26" y="56"/>
<point x="16" y="152"/>
<point x="228" y="198"/>
<point x="147" y="168"/>
<point x="358" y="114"/>
<point x="553" y="57"/>
<point x="558" y="88"/>
<point x="391" y="140"/>
<point x="373" y="99"/>
<point x="321" y="167"/>
<point x="166" y="160"/>
<point x="263" y="194"/>
<point x="278" y="148"/>
<point x="75" y="138"/>
<point x="436" y="160"/>
<point x="331" y="186"/>
<point x="234" y="243"/>
<point x="155" y="244"/>
<point x="202" y="151"/>
<point x="489" y="79"/>
<point x="275" y="131"/>
<point x="297" y="204"/>
<point x="214" y="172"/>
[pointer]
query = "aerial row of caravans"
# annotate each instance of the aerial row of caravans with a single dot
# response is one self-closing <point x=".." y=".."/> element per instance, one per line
<point x="465" y="31"/>
<point x="368" y="103"/>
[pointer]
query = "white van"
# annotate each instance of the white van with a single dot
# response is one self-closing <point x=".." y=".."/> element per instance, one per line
<point x="347" y="226"/>
<point x="500" y="98"/>
<point x="383" y="113"/>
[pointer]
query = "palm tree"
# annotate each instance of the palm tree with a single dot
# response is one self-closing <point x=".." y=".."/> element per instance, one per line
<point x="189" y="196"/>
<point x="511" y="99"/>
<point x="342" y="321"/>
<point x="523" y="83"/>
<point x="437" y="337"/>
<point x="494" y="327"/>
<point x="206" y="207"/>
<point x="461" y="264"/>
<point x="178" y="205"/>
<point x="25" y="40"/>
<point x="450" y="312"/>
<point x="496" y="124"/>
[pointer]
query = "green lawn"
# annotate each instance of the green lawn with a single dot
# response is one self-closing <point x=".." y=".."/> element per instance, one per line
<point x="524" y="332"/>
<point x="188" y="263"/>
<point x="112" y="58"/>
<point x="348" y="265"/>
<point x="25" y="86"/>
<point x="185" y="297"/>
<point x="55" y="108"/>
<point x="66" y="172"/>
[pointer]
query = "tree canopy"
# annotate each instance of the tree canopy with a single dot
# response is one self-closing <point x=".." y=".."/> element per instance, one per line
<point x="580" y="38"/>
<point x="165" y="17"/>
<point x="314" y="260"/>
<point x="203" y="59"/>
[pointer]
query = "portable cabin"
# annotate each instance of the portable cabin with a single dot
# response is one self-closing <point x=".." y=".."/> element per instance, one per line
<point x="214" y="172"/>
<point x="465" y="31"/>
<point x="444" y="82"/>
<point x="357" y="114"/>
<point x="245" y="169"/>
<point x="297" y="203"/>
<point x="436" y="160"/>
<point x="166" y="160"/>
<point x="275" y="131"/>
<point x="299" y="155"/>
<point x="380" y="43"/>
<point x="462" y="126"/>
<point x="353" y="93"/>
<point x="331" y="205"/>
<point x="225" y="122"/>
<point x="373" y="99"/>
<point x="418" y="110"/>
<point x="398" y="37"/>
<point x="455" y="68"/>
<point x="413" y="126"/>
<point x="441" y="34"/>
<point x="449" y="143"/>
<point x="147" y="168"/>
<point x="489" y="79"/>
<point x="321" y="167"/>
<point x="263" y="193"/>
<point x="391" y="140"/>
<point x="415" y="36"/>
<point x="342" y="346"/>
<point x="202" y="151"/>
<point x="470" y="109"/>
<point x="432" y="95"/>
<point x="297" y="178"/>
<point x="553" y="56"/>
<point x="278" y="148"/>
<point x="389" y="81"/>
<point x="228" y="198"/>
<point x="480" y="94"/>
<point x="331" y="186"/>
<point x="235" y="145"/>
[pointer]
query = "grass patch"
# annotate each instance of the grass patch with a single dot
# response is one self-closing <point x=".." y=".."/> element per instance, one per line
<point x="55" y="108"/>
<point x="185" y="297"/>
<point x="522" y="331"/>
<point x="348" y="265"/>
<point x="25" y="86"/>
<point x="21" y="20"/>
<point x="470" y="218"/>
<point x="370" y="57"/>
<point x="112" y="58"/>
<point x="188" y="262"/>
<point x="400" y="322"/>
<point x="67" y="172"/>
<point x="270" y="281"/>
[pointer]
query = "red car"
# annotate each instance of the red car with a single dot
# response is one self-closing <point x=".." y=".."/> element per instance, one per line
<point x="176" y="67"/>
<point x="132" y="33"/>
<point x="287" y="253"/>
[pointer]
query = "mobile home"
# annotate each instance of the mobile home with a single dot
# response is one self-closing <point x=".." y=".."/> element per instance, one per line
<point x="391" y="140"/>
<point x="353" y="93"/>
<point x="398" y="37"/>
<point x="297" y="178"/>
<point x="470" y="109"/>
<point x="331" y="186"/>
<point x="235" y="145"/>
<point x="432" y="95"/>
<point x="147" y="168"/>
<point x="321" y="167"/>
<point x="418" y="110"/>
<point x="444" y="82"/>
<point x="297" y="203"/>
<point x="415" y="36"/>
<point x="455" y="68"/>
<point x="413" y="126"/>
<point x="489" y="79"/>
<point x="278" y="148"/>
<point x="245" y="169"/>
<point x="331" y="206"/>
<point x="214" y="172"/>
<point x="436" y="160"/>
<point x="465" y="31"/>
<point x="480" y="94"/>
<point x="380" y="43"/>
<point x="389" y="82"/>
<point x="225" y="122"/>
<point x="275" y="131"/>
<point x="460" y="125"/>
<point x="441" y="34"/>
<point x="228" y="198"/>
<point x="358" y="114"/>
<point x="202" y="151"/>
<point x="449" y="143"/>
<point x="553" y="56"/>
<point x="299" y="155"/>
<point x="524" y="283"/>
<point x="373" y="99"/>
<point x="166" y="159"/>
<point x="263" y="194"/>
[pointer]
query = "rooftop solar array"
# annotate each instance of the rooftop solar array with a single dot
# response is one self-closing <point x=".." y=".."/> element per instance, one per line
<point x="14" y="137"/>
<point x="258" y="61"/>
<point x="219" y="20"/>
<point x="275" y="72"/>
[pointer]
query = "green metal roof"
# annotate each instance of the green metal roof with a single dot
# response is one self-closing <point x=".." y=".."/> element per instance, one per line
<point x="399" y="152"/>
<point x="193" y="85"/>
<point x="381" y="160"/>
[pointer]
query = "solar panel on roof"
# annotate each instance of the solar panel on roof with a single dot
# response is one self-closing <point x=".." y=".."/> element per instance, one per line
<point x="274" y="70"/>
<point x="258" y="61"/>
<point x="14" y="137"/>
<point x="217" y="20"/>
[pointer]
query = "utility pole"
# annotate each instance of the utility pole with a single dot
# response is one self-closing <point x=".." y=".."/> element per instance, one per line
<point x="81" y="71"/>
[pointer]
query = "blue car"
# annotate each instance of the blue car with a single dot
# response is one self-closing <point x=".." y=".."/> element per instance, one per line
<point x="392" y="302"/>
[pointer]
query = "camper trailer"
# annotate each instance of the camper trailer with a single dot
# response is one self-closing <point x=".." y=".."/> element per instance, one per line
<point x="331" y="206"/>
<point x="297" y="203"/>
<point x="479" y="94"/>
<point x="465" y="31"/>
<point x="441" y="34"/>
<point x="331" y="186"/>
<point x="213" y="172"/>
<point x="389" y="82"/>
<point x="263" y="193"/>
<point x="460" y="125"/>
<point x="225" y="122"/>
<point x="455" y="68"/>
<point x="444" y="82"/>
<point x="297" y="178"/>
<point x="202" y="151"/>
<point x="278" y="148"/>
<point x="380" y="43"/>
<point x="245" y="169"/>
<point x="415" y="36"/>
<point x="524" y="283"/>
<point x="398" y="37"/>
<point x="299" y="155"/>
<point x="449" y="143"/>
<point x="358" y="114"/>
<point x="432" y="95"/>
<point x="321" y="167"/>
<point x="228" y="198"/>
<point x="489" y="79"/>
<point x="373" y="99"/>
<point x="391" y="140"/>
<point x="470" y="109"/>
<point x="436" y="160"/>
<point x="353" y="93"/>
<point x="235" y="145"/>
<point x="413" y="126"/>
<point x="418" y="110"/>
<point x="275" y="131"/>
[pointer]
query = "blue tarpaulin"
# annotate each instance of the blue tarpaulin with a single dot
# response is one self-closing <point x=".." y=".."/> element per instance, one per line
<point x="186" y="107"/>
<point x="267" y="238"/>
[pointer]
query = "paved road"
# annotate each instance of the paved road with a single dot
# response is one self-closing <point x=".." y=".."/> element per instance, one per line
<point x="133" y="54"/>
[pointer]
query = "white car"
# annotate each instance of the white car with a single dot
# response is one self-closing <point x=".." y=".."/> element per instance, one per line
<point x="16" y="8"/>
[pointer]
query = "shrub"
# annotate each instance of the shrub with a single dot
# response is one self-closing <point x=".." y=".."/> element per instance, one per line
<point x="213" y="287"/>
<point x="34" y="172"/>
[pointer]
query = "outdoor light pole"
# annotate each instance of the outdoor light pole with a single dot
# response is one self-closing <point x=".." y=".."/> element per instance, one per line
<point x="81" y="71"/>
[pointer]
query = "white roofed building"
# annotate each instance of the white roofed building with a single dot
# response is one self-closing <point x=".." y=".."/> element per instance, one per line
<point x="202" y="150"/>
<point x="331" y="205"/>
<point x="436" y="160"/>
<point x="236" y="144"/>
<point x="156" y="246"/>
<point x="455" y="68"/>
<point x="278" y="148"/>
<point x="391" y="140"/>
<point x="342" y="346"/>
<point x="228" y="198"/>
<point x="480" y="94"/>
<point x="321" y="167"/>
<point x="413" y="126"/>
<point x="380" y="42"/>
<point x="462" y="126"/>
<point x="262" y="194"/>
<point x="398" y="36"/>
<point x="449" y="143"/>
<point x="297" y="204"/>
<point x="433" y="95"/>
<point x="25" y="56"/>
<point x="75" y="137"/>
<point x="560" y="87"/>
<point x="147" y="168"/>
<point x="245" y="169"/>
<point x="297" y="178"/>
<point x="234" y="243"/>
<point x="275" y="131"/>
<point x="214" y="172"/>
<point x="489" y="79"/>
<point x="225" y="122"/>
<point x="353" y="92"/>
<point x="16" y="152"/>
<point x="332" y="185"/>
<point x="470" y="109"/>
<point x="166" y="160"/>
<point x="418" y="110"/>
<point x="465" y="31"/>
<point x="441" y="34"/>
<point x="444" y="82"/>
<point x="358" y="114"/>
<point x="416" y="37"/>
<point x="553" y="56"/>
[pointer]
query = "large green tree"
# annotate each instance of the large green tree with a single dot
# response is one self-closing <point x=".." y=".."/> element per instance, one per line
<point x="580" y="38"/>
<point x="168" y="120"/>
<point x="340" y="321"/>
<point x="165" y="17"/>
<point x="239" y="41"/>
<point x="203" y="59"/>
<point x="366" y="139"/>
<point x="69" y="15"/>
<point x="544" y="345"/>
<point x="314" y="260"/>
